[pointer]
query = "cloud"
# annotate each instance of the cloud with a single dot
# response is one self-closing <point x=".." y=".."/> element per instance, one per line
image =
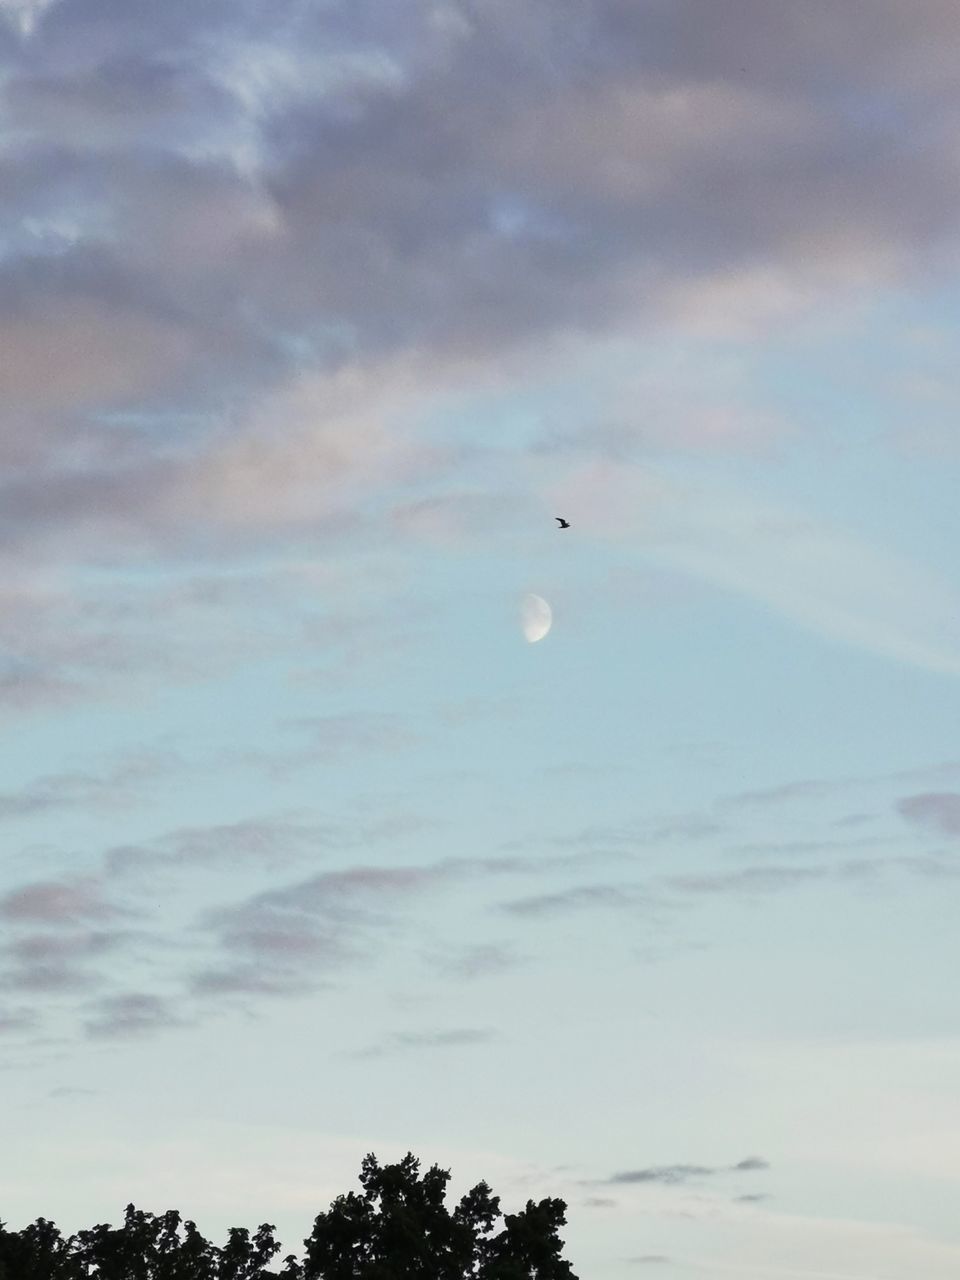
<point x="747" y="880"/>
<point x="27" y="688"/>
<point x="816" y="788"/>
<point x="131" y="1014"/>
<point x="298" y="934"/>
<point x="268" y="842"/>
<point x="811" y="572"/>
<point x="334" y="736"/>
<point x="65" y="960"/>
<point x="937" y="811"/>
<point x="479" y="961"/>
<point x="786" y="793"/>
<point x="57" y="903"/>
<point x="15" y="1020"/>
<point x="441" y="1039"/>
<point x="23" y="15"/>
<point x="248" y="980"/>
<point x="67" y="641"/>
<point x="284" y="941"/>
<point x="671" y="1175"/>
<point x="387" y="207"/>
<point x="667" y="1175"/>
<point x="581" y="897"/>
<point x="83" y="790"/>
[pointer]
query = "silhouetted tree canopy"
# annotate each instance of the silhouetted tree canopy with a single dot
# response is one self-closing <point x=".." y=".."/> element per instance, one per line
<point x="398" y="1227"/>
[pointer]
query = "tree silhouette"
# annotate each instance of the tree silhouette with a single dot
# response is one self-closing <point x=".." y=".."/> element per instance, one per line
<point x="148" y="1248"/>
<point x="401" y="1229"/>
<point x="38" y="1252"/>
<point x="398" y="1227"/>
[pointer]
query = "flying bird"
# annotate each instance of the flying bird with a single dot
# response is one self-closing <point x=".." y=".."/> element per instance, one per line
<point x="564" y="524"/>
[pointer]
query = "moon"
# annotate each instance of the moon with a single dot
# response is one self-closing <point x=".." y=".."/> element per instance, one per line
<point x="536" y="618"/>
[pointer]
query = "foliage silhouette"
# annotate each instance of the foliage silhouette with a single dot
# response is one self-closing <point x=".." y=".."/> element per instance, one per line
<point x="397" y="1228"/>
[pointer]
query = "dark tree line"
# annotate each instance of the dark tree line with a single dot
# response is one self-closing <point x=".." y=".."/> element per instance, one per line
<point x="398" y="1227"/>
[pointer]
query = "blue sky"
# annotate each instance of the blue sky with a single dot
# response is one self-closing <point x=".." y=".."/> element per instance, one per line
<point x="314" y="317"/>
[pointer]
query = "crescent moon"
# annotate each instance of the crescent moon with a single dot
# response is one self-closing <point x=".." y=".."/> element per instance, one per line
<point x="536" y="618"/>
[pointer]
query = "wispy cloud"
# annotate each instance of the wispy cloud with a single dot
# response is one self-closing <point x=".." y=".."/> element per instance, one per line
<point x="748" y="880"/>
<point x="452" y="1038"/>
<point x="817" y="574"/>
<point x="671" y="1175"/>
<point x="265" y="842"/>
<point x="480" y="960"/>
<point x="80" y="789"/>
<point x="578" y="898"/>
<point x="131" y="1014"/>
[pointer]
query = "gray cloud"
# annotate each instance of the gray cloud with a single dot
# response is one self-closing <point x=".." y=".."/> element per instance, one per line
<point x="677" y="1174"/>
<point x="640" y="836"/>
<point x="751" y="1164"/>
<point x="333" y="736"/>
<point x="57" y="903"/>
<point x="52" y="978"/>
<point x="13" y="1020"/>
<point x="936" y="810"/>
<point x="579" y="898"/>
<point x="287" y="940"/>
<point x="131" y="1014"/>
<point x="213" y="201"/>
<point x="668" y="1175"/>
<point x="65" y="960"/>
<point x="297" y="934"/>
<point x="26" y="687"/>
<point x="816" y="788"/>
<point x="268" y="842"/>
<point x="442" y="1039"/>
<point x="749" y="880"/>
<point x="478" y="961"/>
<point x="81" y="789"/>
<point x="812" y="788"/>
<point x="249" y="980"/>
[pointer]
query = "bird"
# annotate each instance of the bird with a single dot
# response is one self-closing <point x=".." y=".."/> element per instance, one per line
<point x="564" y="524"/>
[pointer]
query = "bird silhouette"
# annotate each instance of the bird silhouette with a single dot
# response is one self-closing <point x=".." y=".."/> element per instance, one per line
<point x="564" y="524"/>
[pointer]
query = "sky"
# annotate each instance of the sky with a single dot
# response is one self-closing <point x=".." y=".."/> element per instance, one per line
<point x="314" y="315"/>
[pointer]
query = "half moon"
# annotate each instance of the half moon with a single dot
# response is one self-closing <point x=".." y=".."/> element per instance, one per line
<point x="536" y="618"/>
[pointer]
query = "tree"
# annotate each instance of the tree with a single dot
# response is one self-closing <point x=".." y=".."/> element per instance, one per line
<point x="397" y="1228"/>
<point x="246" y="1259"/>
<point x="38" y="1252"/>
<point x="529" y="1245"/>
<point x="401" y="1229"/>
<point x="147" y="1248"/>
